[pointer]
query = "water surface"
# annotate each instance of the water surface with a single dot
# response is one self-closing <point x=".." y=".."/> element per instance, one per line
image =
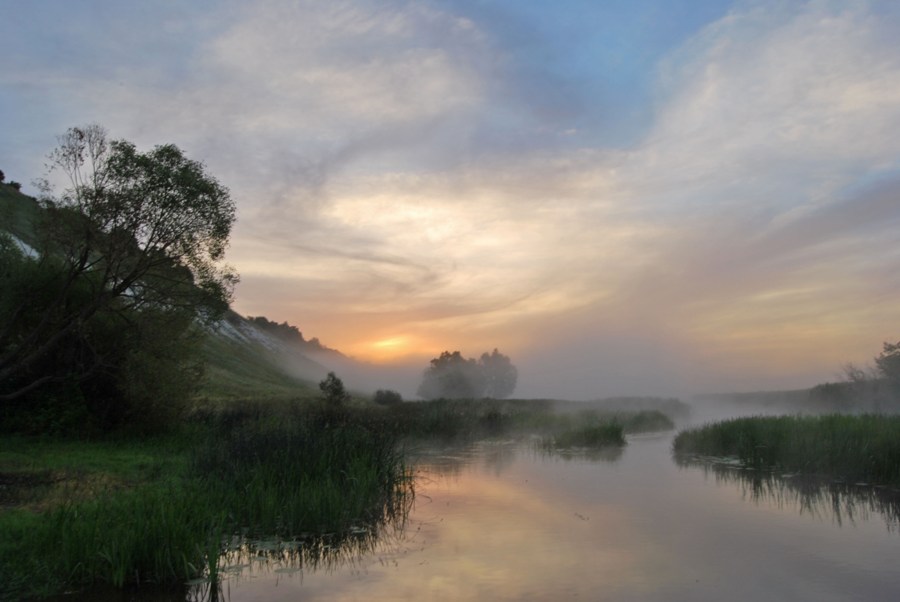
<point x="501" y="521"/>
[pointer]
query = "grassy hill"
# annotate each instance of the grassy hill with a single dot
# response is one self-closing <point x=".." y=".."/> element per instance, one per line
<point x="242" y="360"/>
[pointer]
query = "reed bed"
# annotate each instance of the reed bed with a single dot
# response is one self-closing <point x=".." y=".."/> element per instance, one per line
<point x="291" y="476"/>
<point x="590" y="435"/>
<point x="861" y="448"/>
<point x="473" y="419"/>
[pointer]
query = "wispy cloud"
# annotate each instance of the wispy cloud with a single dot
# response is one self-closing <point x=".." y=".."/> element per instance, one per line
<point x="416" y="171"/>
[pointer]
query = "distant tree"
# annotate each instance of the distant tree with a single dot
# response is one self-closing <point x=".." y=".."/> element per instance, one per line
<point x="127" y="263"/>
<point x="2" y="176"/>
<point x="284" y="330"/>
<point x="452" y="376"/>
<point x="499" y="374"/>
<point x="333" y="390"/>
<point x="888" y="365"/>
<point x="15" y="185"/>
<point x="387" y="397"/>
<point x="888" y="362"/>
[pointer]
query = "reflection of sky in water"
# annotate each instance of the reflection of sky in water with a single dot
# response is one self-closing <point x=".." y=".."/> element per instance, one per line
<point x="511" y="524"/>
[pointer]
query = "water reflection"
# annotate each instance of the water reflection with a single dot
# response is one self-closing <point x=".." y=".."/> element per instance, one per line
<point x="609" y="453"/>
<point x="842" y="503"/>
<point x="497" y="456"/>
<point x="246" y="558"/>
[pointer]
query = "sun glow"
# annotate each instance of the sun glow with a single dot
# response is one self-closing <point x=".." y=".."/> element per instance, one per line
<point x="387" y="349"/>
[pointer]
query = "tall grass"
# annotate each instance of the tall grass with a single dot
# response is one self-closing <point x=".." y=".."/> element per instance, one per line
<point x="317" y="472"/>
<point x="472" y="419"/>
<point x="589" y="435"/>
<point x="288" y="476"/>
<point x="850" y="448"/>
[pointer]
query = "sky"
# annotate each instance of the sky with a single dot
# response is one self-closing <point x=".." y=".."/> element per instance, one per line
<point x="627" y="197"/>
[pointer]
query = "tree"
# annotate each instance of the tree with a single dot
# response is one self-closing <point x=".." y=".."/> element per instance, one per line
<point x="129" y="251"/>
<point x="888" y="365"/>
<point x="499" y="374"/>
<point x="333" y="390"/>
<point x="452" y="376"/>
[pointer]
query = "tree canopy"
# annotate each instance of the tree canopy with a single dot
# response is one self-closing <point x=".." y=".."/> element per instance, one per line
<point x="454" y="377"/>
<point x="128" y="259"/>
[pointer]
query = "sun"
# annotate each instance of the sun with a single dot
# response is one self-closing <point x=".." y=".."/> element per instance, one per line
<point x="387" y="349"/>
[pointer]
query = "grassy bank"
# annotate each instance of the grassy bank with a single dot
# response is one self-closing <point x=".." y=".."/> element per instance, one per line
<point x="288" y="475"/>
<point x="473" y="419"/>
<point x="167" y="510"/>
<point x="849" y="448"/>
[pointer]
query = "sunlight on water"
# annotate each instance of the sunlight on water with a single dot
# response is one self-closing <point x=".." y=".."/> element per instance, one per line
<point x="503" y="521"/>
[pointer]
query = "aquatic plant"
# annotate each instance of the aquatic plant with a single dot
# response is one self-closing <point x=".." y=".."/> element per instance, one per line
<point x="851" y="448"/>
<point x="598" y="434"/>
<point x="289" y="476"/>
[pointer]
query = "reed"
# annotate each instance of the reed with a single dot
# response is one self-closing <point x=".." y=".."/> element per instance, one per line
<point x="296" y="476"/>
<point x="858" y="448"/>
<point x="599" y="434"/>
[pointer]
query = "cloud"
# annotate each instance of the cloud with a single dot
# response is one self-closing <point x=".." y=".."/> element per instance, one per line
<point x="402" y="170"/>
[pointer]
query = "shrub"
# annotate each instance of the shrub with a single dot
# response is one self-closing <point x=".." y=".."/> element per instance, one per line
<point x="387" y="397"/>
<point x="333" y="390"/>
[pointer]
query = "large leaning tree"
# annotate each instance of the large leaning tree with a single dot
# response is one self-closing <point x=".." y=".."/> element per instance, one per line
<point x="127" y="258"/>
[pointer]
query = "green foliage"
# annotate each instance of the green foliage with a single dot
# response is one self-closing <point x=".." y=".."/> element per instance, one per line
<point x="470" y="419"/>
<point x="852" y="448"/>
<point x="596" y="434"/>
<point x="888" y="364"/>
<point x="387" y="397"/>
<point x="452" y="376"/>
<point x="15" y="185"/>
<point x="333" y="390"/>
<point x="499" y="374"/>
<point x="98" y="327"/>
<point x="285" y="472"/>
<point x="283" y="331"/>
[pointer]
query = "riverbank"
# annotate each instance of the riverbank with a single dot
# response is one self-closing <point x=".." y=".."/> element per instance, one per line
<point x="851" y="448"/>
<point x="164" y="510"/>
<point x="160" y="511"/>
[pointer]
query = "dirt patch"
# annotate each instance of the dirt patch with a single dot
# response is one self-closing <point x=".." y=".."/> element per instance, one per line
<point x="20" y="488"/>
<point x="45" y="489"/>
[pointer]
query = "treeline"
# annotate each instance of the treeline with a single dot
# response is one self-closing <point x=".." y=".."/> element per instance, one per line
<point x="289" y="333"/>
<point x="875" y="388"/>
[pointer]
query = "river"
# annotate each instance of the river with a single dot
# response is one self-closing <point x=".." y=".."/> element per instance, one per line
<point x="503" y="521"/>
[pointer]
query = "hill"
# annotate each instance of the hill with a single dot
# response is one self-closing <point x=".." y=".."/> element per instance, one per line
<point x="243" y="357"/>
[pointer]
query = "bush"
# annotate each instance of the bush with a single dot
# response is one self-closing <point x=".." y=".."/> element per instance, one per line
<point x="333" y="390"/>
<point x="387" y="397"/>
<point x="15" y="185"/>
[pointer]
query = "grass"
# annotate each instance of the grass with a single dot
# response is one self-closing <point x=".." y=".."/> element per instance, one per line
<point x="861" y="448"/>
<point x="288" y="475"/>
<point x="473" y="419"/>
<point x="238" y="370"/>
<point x="299" y="478"/>
<point x="597" y="434"/>
<point x="18" y="213"/>
<point x="592" y="428"/>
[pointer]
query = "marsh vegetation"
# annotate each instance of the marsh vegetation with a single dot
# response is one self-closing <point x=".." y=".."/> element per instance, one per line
<point x="861" y="448"/>
<point x="293" y="476"/>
